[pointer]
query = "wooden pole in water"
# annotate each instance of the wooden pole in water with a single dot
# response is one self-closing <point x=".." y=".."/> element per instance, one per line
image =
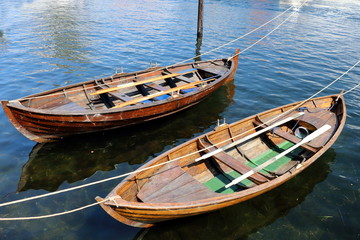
<point x="200" y="19"/>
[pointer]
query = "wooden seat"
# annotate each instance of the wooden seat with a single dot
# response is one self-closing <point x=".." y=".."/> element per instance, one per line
<point x="319" y="117"/>
<point x="172" y="184"/>
<point x="180" y="77"/>
<point x="287" y="136"/>
<point x="231" y="162"/>
<point x="116" y="94"/>
<point x="215" y="70"/>
<point x="312" y="120"/>
<point x="160" y="89"/>
<point x="156" y="86"/>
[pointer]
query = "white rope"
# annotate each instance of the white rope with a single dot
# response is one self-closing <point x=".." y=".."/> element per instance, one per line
<point x="91" y="184"/>
<point x="352" y="89"/>
<point x="52" y="215"/>
<point x="337" y="79"/>
<point x="357" y="84"/>
<point x="252" y="31"/>
<point x="266" y="35"/>
<point x="189" y="59"/>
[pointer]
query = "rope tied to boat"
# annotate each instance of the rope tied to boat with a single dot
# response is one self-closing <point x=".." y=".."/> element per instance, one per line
<point x="113" y="199"/>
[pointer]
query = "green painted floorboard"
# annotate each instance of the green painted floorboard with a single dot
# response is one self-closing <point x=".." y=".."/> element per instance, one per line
<point x="217" y="183"/>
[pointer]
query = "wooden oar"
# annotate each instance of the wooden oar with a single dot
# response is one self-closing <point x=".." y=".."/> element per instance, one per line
<point x="132" y="84"/>
<point x="171" y="90"/>
<point x="272" y="160"/>
<point x="249" y="136"/>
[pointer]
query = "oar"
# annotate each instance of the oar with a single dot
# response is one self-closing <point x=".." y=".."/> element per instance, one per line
<point x="140" y="99"/>
<point x="207" y="155"/>
<point x="270" y="161"/>
<point x="132" y="84"/>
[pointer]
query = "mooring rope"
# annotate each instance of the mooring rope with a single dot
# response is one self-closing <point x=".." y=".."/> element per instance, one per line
<point x="54" y="214"/>
<point x="266" y="35"/>
<point x="356" y="86"/>
<point x="252" y="31"/>
<point x="157" y="165"/>
<point x="122" y="80"/>
<point x="352" y="88"/>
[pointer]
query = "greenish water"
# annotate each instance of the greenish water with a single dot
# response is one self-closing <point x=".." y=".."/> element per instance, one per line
<point x="45" y="44"/>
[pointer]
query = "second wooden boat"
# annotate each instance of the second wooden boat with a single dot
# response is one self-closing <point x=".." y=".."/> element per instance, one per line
<point x="229" y="165"/>
<point x="117" y="101"/>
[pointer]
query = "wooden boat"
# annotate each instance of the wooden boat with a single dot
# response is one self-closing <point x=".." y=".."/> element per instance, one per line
<point x="241" y="220"/>
<point x="229" y="165"/>
<point x="117" y="101"/>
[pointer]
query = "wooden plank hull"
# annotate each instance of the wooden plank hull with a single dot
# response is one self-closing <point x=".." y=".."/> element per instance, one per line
<point x="63" y="112"/>
<point x="174" y="185"/>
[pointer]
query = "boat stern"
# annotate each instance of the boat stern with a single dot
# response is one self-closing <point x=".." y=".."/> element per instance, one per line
<point x="17" y="125"/>
<point x="109" y="210"/>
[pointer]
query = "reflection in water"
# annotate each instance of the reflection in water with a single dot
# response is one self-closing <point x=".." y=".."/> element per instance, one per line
<point x="3" y="41"/>
<point x="239" y="221"/>
<point x="65" y="39"/>
<point x="77" y="158"/>
<point x="198" y="48"/>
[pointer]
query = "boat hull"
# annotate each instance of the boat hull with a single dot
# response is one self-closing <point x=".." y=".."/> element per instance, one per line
<point x="41" y="126"/>
<point x="44" y="125"/>
<point x="145" y="214"/>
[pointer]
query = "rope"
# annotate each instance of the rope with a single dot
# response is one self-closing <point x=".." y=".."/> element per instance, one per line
<point x="357" y="84"/>
<point x="189" y="59"/>
<point x="266" y="35"/>
<point x="54" y="214"/>
<point x="93" y="183"/>
<point x="352" y="89"/>
<point x="158" y="165"/>
<point x="237" y="39"/>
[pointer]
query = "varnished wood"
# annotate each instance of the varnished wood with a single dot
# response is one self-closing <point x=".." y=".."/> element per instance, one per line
<point x="133" y="84"/>
<point x="288" y="136"/>
<point x="172" y="90"/>
<point x="75" y="109"/>
<point x="179" y="189"/>
<point x="233" y="163"/>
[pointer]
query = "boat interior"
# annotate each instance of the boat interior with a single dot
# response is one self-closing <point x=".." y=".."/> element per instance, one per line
<point x="135" y="89"/>
<point x="191" y="180"/>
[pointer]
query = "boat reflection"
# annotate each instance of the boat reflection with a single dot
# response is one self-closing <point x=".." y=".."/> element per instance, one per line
<point x="79" y="157"/>
<point x="239" y="221"/>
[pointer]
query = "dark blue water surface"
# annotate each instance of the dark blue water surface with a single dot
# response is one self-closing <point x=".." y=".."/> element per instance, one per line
<point x="45" y="44"/>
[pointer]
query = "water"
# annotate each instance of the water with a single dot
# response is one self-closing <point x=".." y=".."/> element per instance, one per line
<point x="45" y="44"/>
